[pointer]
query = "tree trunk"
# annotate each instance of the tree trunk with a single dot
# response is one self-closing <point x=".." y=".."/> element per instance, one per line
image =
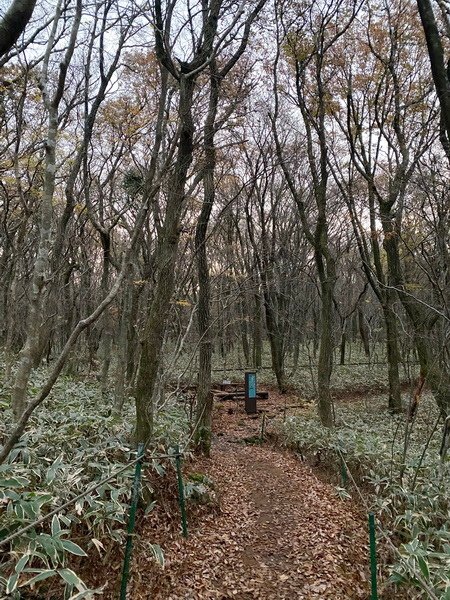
<point x="257" y="333"/>
<point x="204" y="396"/>
<point x="122" y="349"/>
<point x="132" y="341"/>
<point x="422" y="317"/>
<point x="244" y="329"/>
<point x="439" y="70"/>
<point x="343" y="343"/>
<point x="325" y="363"/>
<point x="393" y="353"/>
<point x="14" y="22"/>
<point x="296" y="354"/>
<point x="155" y="327"/>
<point x="276" y="341"/>
<point x="40" y="269"/>
<point x="363" y="332"/>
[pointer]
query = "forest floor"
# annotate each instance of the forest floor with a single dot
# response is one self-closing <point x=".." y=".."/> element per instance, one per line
<point x="276" y="531"/>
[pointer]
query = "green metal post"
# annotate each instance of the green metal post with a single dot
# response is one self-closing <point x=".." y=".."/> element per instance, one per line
<point x="181" y="492"/>
<point x="131" y="523"/>
<point x="373" y="557"/>
<point x="343" y="473"/>
<point x="261" y="436"/>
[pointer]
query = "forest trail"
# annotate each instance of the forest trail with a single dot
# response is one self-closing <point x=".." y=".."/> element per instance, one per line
<point x="280" y="532"/>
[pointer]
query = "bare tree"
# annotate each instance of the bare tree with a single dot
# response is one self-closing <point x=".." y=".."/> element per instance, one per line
<point x="308" y="50"/>
<point x="40" y="270"/>
<point x="207" y="42"/>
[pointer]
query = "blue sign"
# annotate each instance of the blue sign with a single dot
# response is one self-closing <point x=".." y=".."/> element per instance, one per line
<point x="251" y="384"/>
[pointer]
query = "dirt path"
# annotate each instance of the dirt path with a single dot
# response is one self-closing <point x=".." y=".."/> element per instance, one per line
<point x="280" y="532"/>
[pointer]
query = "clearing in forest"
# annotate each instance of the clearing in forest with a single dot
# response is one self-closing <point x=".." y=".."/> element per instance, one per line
<point x="279" y="532"/>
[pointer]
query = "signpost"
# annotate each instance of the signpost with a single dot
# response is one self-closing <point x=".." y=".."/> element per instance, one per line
<point x="250" y="392"/>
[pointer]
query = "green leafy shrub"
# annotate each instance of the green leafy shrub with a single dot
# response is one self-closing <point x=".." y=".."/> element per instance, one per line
<point x="71" y="442"/>
<point x="200" y="488"/>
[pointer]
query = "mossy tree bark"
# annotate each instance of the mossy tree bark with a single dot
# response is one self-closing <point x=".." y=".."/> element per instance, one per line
<point x="155" y="327"/>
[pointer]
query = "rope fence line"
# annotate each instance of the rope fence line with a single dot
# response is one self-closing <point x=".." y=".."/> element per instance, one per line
<point x="306" y="366"/>
<point x="138" y="462"/>
<point x="139" y="458"/>
<point x="176" y="455"/>
<point x="418" y="576"/>
<point x="90" y="489"/>
<point x="373" y="523"/>
<point x="372" y="520"/>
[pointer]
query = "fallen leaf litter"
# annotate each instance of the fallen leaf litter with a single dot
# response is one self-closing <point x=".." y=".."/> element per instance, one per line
<point x="279" y="532"/>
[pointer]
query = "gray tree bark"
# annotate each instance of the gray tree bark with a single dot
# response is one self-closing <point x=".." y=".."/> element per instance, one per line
<point x="40" y="269"/>
<point x="14" y="22"/>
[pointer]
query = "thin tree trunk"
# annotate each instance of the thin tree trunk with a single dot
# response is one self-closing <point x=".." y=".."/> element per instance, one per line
<point x="276" y="343"/>
<point x="343" y="344"/>
<point x="40" y="270"/>
<point x="364" y="333"/>
<point x="393" y="353"/>
<point x="439" y="69"/>
<point x="122" y="349"/>
<point x="325" y="362"/>
<point x="244" y="336"/>
<point x="257" y="333"/>
<point x="421" y="317"/>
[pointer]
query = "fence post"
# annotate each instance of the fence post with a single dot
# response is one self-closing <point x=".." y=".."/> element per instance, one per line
<point x="373" y="557"/>
<point x="261" y="435"/>
<point x="181" y="492"/>
<point x="343" y="473"/>
<point x="131" y="523"/>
